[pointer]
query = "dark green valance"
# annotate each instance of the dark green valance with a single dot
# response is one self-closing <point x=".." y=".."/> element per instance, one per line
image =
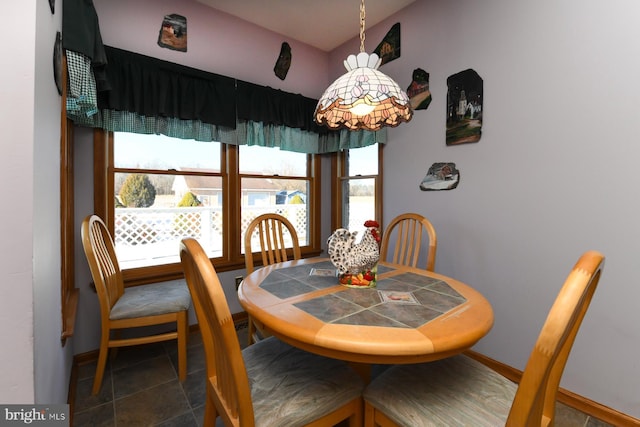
<point x="275" y="107"/>
<point x="151" y="96"/>
<point x="154" y="88"/>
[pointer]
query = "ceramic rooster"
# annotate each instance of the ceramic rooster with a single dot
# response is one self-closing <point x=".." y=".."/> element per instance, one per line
<point x="351" y="257"/>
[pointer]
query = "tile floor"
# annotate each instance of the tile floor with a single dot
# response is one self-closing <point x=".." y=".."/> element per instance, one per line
<point x="141" y="388"/>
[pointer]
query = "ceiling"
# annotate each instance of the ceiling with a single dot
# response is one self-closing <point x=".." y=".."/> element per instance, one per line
<point x="325" y="24"/>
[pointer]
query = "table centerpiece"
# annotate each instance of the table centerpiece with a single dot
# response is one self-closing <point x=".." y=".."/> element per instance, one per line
<point x="356" y="261"/>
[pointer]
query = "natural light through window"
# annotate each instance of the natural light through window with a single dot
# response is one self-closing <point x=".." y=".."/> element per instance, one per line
<point x="359" y="187"/>
<point x="165" y="189"/>
<point x="275" y="181"/>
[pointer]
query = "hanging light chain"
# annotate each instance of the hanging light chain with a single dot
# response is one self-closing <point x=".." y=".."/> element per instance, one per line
<point x="362" y="17"/>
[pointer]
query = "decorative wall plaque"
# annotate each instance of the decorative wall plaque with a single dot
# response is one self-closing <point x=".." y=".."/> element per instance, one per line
<point x="173" y="33"/>
<point x="464" y="107"/>
<point x="441" y="176"/>
<point x="284" y="61"/>
<point x="418" y="91"/>
<point x="389" y="47"/>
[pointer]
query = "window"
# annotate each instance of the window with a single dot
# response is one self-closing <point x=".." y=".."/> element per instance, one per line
<point x="274" y="181"/>
<point x="357" y="187"/>
<point x="161" y="189"/>
<point x="165" y="189"/>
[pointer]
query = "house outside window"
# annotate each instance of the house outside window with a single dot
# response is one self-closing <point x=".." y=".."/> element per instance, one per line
<point x="285" y="182"/>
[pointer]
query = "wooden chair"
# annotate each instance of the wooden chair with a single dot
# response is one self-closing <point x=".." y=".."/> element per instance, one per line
<point x="407" y="231"/>
<point x="460" y="391"/>
<point x="271" y="230"/>
<point x="269" y="383"/>
<point x="132" y="307"/>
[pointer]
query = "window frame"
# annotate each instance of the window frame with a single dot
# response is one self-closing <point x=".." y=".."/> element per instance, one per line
<point x="232" y="258"/>
<point x="69" y="294"/>
<point x="339" y="167"/>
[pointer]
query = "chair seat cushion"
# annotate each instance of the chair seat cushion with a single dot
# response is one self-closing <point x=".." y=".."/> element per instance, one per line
<point x="152" y="299"/>
<point x="291" y="387"/>
<point x="457" y="391"/>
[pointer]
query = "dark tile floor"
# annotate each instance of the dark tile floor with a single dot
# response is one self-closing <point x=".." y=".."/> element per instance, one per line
<point x="141" y="388"/>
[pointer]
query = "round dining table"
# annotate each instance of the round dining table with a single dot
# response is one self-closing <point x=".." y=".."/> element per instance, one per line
<point x="411" y="316"/>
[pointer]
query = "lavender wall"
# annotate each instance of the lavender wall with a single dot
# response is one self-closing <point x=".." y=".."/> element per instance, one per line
<point x="554" y="174"/>
<point x="16" y="275"/>
<point x="217" y="42"/>
<point x="34" y="367"/>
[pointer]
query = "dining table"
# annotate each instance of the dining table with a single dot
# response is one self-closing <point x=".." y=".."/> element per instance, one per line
<point x="411" y="315"/>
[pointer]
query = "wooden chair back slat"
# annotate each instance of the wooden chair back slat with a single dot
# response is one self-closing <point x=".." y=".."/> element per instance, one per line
<point x="406" y="232"/>
<point x="272" y="230"/>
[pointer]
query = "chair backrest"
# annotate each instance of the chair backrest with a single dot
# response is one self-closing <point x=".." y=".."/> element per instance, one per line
<point x="226" y="371"/>
<point x="271" y="230"/>
<point x="535" y="399"/>
<point x="407" y="231"/>
<point x="103" y="263"/>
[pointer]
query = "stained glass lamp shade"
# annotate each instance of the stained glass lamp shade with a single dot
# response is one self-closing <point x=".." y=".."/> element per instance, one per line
<point x="363" y="98"/>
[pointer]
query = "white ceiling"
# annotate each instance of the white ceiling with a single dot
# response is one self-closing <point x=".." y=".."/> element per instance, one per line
<point x="325" y="24"/>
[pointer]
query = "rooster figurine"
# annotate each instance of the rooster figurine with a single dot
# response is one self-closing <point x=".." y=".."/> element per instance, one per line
<point x="351" y="258"/>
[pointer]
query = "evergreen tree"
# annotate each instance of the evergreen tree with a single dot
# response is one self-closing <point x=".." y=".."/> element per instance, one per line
<point x="137" y="191"/>
<point x="189" y="200"/>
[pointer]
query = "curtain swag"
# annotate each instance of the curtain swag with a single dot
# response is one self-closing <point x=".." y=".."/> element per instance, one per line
<point x="150" y="96"/>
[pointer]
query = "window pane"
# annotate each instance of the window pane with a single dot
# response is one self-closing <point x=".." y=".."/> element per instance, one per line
<point x="137" y="151"/>
<point x="148" y="229"/>
<point x="359" y="204"/>
<point x="362" y="161"/>
<point x="287" y="197"/>
<point x="258" y="160"/>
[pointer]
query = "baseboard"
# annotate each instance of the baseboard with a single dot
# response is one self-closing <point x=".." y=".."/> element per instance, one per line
<point x="566" y="397"/>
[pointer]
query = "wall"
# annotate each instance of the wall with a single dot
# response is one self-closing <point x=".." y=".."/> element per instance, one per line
<point x="553" y="175"/>
<point x="34" y="368"/>
<point x="218" y="43"/>
<point x="52" y="362"/>
<point x="16" y="275"/>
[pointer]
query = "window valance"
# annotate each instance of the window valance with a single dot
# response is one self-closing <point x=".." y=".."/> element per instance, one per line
<point x="151" y="96"/>
<point x="154" y="88"/>
<point x="275" y="107"/>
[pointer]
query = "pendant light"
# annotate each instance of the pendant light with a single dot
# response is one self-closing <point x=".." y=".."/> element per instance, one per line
<point x="363" y="98"/>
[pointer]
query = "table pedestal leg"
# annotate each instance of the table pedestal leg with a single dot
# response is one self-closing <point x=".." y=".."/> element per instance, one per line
<point x="363" y="369"/>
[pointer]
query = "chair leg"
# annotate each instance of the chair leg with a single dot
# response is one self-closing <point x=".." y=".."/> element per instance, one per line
<point x="356" y="420"/>
<point x="375" y="418"/>
<point x="116" y="334"/>
<point x="251" y="330"/>
<point x="210" y="412"/>
<point x="369" y="415"/>
<point x="102" y="362"/>
<point x="182" y="325"/>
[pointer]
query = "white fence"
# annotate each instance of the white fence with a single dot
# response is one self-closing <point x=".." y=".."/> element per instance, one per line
<point x="151" y="236"/>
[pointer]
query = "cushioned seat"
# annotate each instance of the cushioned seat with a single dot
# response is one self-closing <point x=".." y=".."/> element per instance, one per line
<point x="152" y="299"/>
<point x="291" y="387"/>
<point x="460" y="391"/>
<point x="270" y="383"/>
<point x="132" y="307"/>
